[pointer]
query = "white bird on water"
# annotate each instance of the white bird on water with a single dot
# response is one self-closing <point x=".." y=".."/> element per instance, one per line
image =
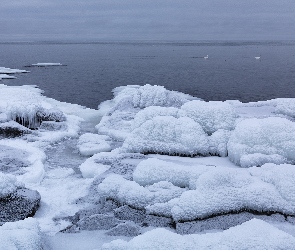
<point x="206" y="57"/>
<point x="257" y="57"/>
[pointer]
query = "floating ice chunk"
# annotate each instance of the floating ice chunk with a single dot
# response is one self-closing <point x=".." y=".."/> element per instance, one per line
<point x="168" y="135"/>
<point x="24" y="234"/>
<point x="212" y="115"/>
<point x="4" y="70"/>
<point x="8" y="184"/>
<point x="153" y="170"/>
<point x="253" y="234"/>
<point x="90" y="144"/>
<point x="5" y="76"/>
<point x="153" y="111"/>
<point x="46" y="64"/>
<point x="229" y="190"/>
<point x="268" y="136"/>
<point x="258" y="159"/>
<point x="131" y="193"/>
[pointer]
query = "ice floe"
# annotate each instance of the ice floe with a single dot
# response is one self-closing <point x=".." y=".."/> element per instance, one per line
<point x="46" y="64"/>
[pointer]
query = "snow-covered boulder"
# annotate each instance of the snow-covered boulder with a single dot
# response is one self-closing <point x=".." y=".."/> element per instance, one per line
<point x="254" y="234"/>
<point x="13" y="129"/>
<point x="218" y="142"/>
<point x="258" y="141"/>
<point x="212" y="115"/>
<point x="168" y="135"/>
<point x="131" y="193"/>
<point x="21" y="235"/>
<point x="152" y="170"/>
<point x="150" y="112"/>
<point x="90" y="144"/>
<point x="228" y="190"/>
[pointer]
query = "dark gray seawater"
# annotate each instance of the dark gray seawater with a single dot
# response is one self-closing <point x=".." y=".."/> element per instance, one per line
<point x="94" y="69"/>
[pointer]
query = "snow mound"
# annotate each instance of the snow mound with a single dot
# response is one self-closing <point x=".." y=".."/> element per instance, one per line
<point x="229" y="190"/>
<point x="258" y="141"/>
<point x="212" y="115"/>
<point x="285" y="106"/>
<point x="218" y="142"/>
<point x="131" y="193"/>
<point x="153" y="170"/>
<point x="153" y="111"/>
<point x="254" y="234"/>
<point x="21" y="235"/>
<point x="168" y="135"/>
<point x="281" y="176"/>
<point x="90" y="144"/>
<point x="8" y="185"/>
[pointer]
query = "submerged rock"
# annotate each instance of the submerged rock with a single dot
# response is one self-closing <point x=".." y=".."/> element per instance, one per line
<point x="19" y="205"/>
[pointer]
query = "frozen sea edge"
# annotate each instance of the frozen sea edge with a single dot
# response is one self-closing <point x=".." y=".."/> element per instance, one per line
<point x="242" y="164"/>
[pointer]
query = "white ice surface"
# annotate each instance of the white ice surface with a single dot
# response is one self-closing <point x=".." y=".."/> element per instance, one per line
<point x="90" y="144"/>
<point x="254" y="234"/>
<point x="46" y="64"/>
<point x="4" y="70"/>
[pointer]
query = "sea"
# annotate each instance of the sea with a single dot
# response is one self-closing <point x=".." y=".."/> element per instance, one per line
<point x="92" y="69"/>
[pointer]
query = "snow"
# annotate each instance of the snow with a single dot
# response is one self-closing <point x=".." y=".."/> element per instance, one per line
<point x="5" y="76"/>
<point x="8" y="184"/>
<point x="21" y="235"/>
<point x="254" y="234"/>
<point x="270" y="137"/>
<point x="212" y="115"/>
<point x="169" y="135"/>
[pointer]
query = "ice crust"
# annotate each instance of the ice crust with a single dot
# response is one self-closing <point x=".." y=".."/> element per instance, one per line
<point x="254" y="234"/>
<point x="258" y="141"/>
<point x="4" y="70"/>
<point x="90" y="144"/>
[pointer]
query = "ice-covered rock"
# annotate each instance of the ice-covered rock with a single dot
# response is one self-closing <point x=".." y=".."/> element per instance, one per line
<point x="168" y="135"/>
<point x="224" y="190"/>
<point x="218" y="142"/>
<point x="212" y="115"/>
<point x="98" y="222"/>
<point x="13" y="129"/>
<point x="90" y="144"/>
<point x="258" y="141"/>
<point x="127" y="228"/>
<point x="21" y="235"/>
<point x="254" y="234"/>
<point x="131" y="193"/>
<point x="153" y="170"/>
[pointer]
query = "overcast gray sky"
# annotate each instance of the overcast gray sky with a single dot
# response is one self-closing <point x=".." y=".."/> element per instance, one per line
<point x="147" y="19"/>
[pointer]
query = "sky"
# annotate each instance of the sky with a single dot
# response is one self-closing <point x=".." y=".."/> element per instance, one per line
<point x="147" y="19"/>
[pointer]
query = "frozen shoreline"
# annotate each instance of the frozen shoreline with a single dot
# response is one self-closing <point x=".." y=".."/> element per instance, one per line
<point x="184" y="189"/>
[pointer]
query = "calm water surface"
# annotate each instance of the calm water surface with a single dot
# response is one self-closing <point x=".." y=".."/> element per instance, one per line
<point x="94" y="69"/>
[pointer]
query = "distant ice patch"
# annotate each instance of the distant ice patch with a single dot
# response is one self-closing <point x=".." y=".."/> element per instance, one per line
<point x="46" y="64"/>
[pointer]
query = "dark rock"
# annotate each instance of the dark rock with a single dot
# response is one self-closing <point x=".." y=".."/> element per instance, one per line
<point x="157" y="221"/>
<point x="98" y="222"/>
<point x="128" y="213"/>
<point x="19" y="205"/>
<point x="53" y="126"/>
<point x="13" y="129"/>
<point x="128" y="228"/>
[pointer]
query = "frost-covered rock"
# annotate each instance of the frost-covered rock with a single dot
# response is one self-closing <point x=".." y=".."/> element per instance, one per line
<point x="18" y="205"/>
<point x="212" y="115"/>
<point x="265" y="140"/>
<point x="13" y="129"/>
<point x="54" y="115"/>
<point x="52" y="126"/>
<point x="224" y="190"/>
<point x="153" y="170"/>
<point x="168" y="135"/>
<point x="127" y="228"/>
<point x="90" y="144"/>
<point x="131" y="193"/>
<point x="98" y="222"/>
<point x="21" y="235"/>
<point x="254" y="234"/>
